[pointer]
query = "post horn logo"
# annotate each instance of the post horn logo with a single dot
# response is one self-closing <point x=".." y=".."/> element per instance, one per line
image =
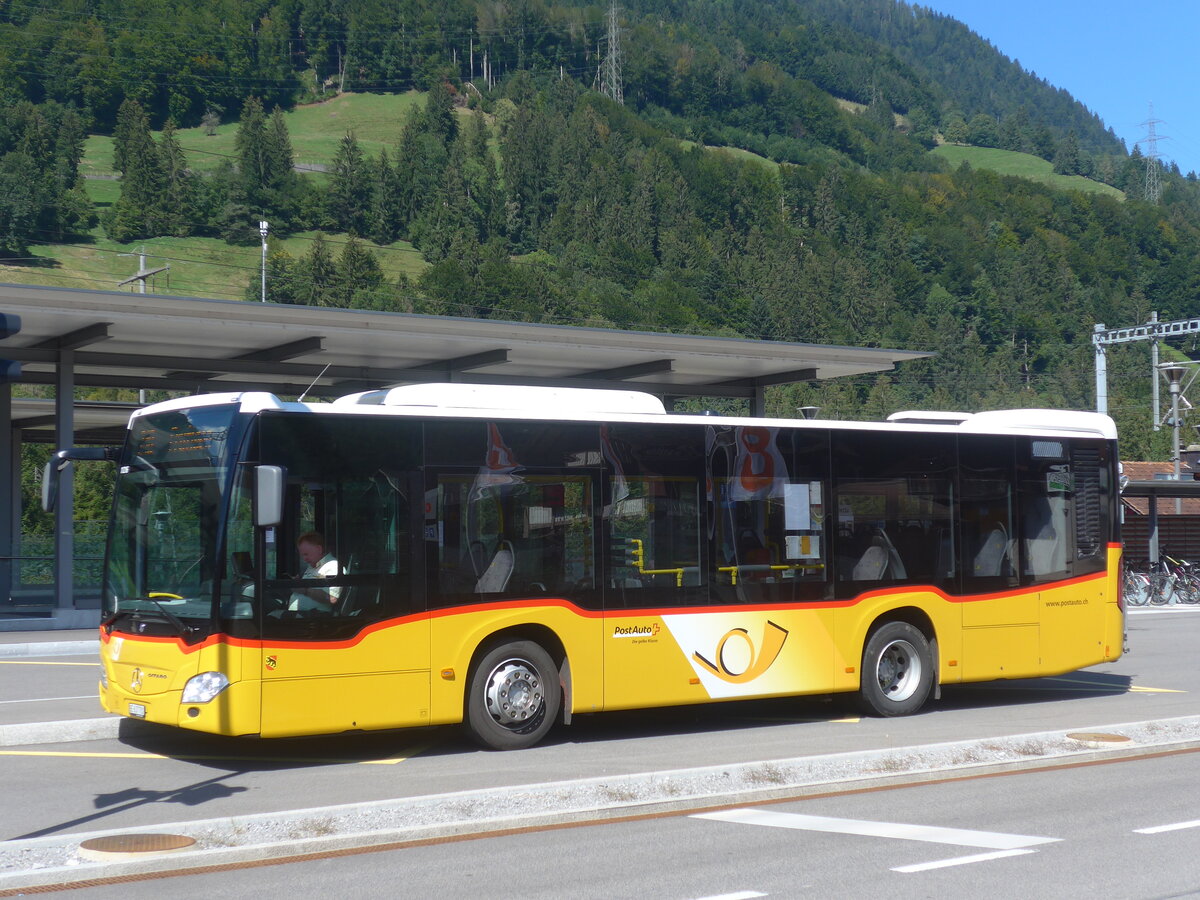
<point x="135" y="681"/>
<point x="761" y="659"/>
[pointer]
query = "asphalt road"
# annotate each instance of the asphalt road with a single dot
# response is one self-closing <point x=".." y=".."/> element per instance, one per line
<point x="1121" y="829"/>
<point x="151" y="776"/>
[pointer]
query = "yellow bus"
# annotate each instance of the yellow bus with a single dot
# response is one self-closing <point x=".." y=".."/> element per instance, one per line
<point x="510" y="557"/>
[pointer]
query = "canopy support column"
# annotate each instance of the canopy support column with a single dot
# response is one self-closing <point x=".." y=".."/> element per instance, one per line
<point x="64" y="509"/>
<point x="10" y="492"/>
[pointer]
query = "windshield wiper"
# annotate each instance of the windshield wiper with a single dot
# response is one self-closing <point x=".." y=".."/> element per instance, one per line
<point x="184" y="630"/>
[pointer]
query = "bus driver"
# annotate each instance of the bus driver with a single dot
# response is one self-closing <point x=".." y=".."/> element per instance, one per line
<point x="318" y="564"/>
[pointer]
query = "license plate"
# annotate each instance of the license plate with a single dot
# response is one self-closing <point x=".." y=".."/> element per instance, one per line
<point x="137" y="710"/>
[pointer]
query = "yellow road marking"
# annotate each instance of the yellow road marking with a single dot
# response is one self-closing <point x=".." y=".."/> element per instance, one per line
<point x="31" y="662"/>
<point x="1133" y="688"/>
<point x="67" y="754"/>
<point x="1086" y="687"/>
<point x="797" y="720"/>
<point x="399" y="758"/>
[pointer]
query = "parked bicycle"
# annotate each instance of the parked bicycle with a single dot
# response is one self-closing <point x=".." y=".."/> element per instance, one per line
<point x="1157" y="584"/>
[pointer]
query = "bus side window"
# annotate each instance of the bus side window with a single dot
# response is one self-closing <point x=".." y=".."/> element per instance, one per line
<point x="1045" y="493"/>
<point x="526" y="533"/>
<point x="987" y="511"/>
<point x="893" y="509"/>
<point x="653" y="536"/>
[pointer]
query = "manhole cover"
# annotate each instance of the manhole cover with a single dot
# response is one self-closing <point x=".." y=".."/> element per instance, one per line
<point x="1098" y="738"/>
<point x="134" y="846"/>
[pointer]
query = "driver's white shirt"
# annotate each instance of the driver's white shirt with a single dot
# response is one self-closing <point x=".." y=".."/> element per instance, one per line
<point x="326" y="567"/>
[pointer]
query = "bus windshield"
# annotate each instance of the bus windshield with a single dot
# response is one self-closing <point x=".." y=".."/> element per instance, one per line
<point x="174" y="474"/>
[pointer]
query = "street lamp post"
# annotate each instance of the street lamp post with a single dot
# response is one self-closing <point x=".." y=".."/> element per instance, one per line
<point x="263" y="228"/>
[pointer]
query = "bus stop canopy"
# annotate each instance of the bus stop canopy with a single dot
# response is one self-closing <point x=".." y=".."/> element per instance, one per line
<point x="125" y="340"/>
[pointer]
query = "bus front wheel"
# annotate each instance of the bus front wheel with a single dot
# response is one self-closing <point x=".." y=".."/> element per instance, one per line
<point x="513" y="696"/>
<point x="897" y="670"/>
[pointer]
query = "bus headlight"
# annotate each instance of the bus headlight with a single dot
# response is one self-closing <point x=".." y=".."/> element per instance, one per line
<point x="103" y="678"/>
<point x="203" y="687"/>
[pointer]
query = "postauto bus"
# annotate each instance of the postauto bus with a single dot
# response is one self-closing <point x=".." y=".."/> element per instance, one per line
<point x="510" y="557"/>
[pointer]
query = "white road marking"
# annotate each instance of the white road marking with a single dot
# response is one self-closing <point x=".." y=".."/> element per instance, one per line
<point x="1161" y="610"/>
<point x="48" y="699"/>
<point x="960" y="861"/>
<point x="1159" y="829"/>
<point x="989" y="840"/>
<point x="740" y="895"/>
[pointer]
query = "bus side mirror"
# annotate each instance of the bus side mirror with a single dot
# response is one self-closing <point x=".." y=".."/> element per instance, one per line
<point x="268" y="498"/>
<point x="61" y="459"/>
<point x="50" y="485"/>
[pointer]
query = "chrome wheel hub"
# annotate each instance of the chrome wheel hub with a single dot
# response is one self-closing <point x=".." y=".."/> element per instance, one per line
<point x="514" y="693"/>
<point x="899" y="670"/>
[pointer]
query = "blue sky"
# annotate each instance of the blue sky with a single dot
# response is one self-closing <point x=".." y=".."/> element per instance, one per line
<point x="1115" y="58"/>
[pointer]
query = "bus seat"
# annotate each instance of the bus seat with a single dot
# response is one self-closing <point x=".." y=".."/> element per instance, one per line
<point x="495" y="578"/>
<point x="992" y="554"/>
<point x="895" y="565"/>
<point x="479" y="556"/>
<point x="1043" y="552"/>
<point x="872" y="566"/>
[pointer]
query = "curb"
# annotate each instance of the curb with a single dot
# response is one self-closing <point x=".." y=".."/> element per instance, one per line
<point x="283" y="836"/>
<point x="51" y="648"/>
<point x="66" y="731"/>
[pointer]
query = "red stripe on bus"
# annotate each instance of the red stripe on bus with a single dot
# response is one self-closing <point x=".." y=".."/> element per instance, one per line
<point x="559" y="603"/>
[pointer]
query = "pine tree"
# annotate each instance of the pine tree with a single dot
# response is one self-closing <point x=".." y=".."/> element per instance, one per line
<point x="19" y="203"/>
<point x="136" y="213"/>
<point x="318" y="275"/>
<point x="279" y="159"/>
<point x="439" y="112"/>
<point x="348" y="203"/>
<point x="282" y="278"/>
<point x="385" y="223"/>
<point x="129" y="119"/>
<point x="1066" y="158"/>
<point x="251" y="146"/>
<point x="408" y="155"/>
<point x="176" y="207"/>
<point x="359" y="275"/>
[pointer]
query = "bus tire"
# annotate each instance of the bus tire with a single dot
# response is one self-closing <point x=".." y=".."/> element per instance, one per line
<point x="513" y="697"/>
<point x="897" y="671"/>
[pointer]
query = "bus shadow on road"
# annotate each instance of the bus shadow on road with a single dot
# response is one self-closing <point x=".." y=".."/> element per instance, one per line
<point x="1021" y="691"/>
<point x="391" y="747"/>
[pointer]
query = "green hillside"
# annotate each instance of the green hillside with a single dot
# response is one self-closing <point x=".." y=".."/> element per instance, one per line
<point x="1022" y="165"/>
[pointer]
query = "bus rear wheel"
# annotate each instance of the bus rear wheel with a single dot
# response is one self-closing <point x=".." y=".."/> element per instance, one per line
<point x="897" y="671"/>
<point x="513" y="696"/>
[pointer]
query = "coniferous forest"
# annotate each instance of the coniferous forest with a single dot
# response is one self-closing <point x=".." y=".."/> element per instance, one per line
<point x="767" y="173"/>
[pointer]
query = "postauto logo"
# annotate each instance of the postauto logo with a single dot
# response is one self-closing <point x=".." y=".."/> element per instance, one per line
<point x="742" y="661"/>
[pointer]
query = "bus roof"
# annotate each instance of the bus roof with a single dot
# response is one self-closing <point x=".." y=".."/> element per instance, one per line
<point x="588" y="404"/>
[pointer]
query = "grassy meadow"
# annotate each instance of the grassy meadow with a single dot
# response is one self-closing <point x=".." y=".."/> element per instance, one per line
<point x="1022" y="165"/>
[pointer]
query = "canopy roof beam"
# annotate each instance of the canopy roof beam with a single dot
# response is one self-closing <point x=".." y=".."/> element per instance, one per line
<point x="278" y="353"/>
<point x="623" y="373"/>
<point x="73" y="340"/>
